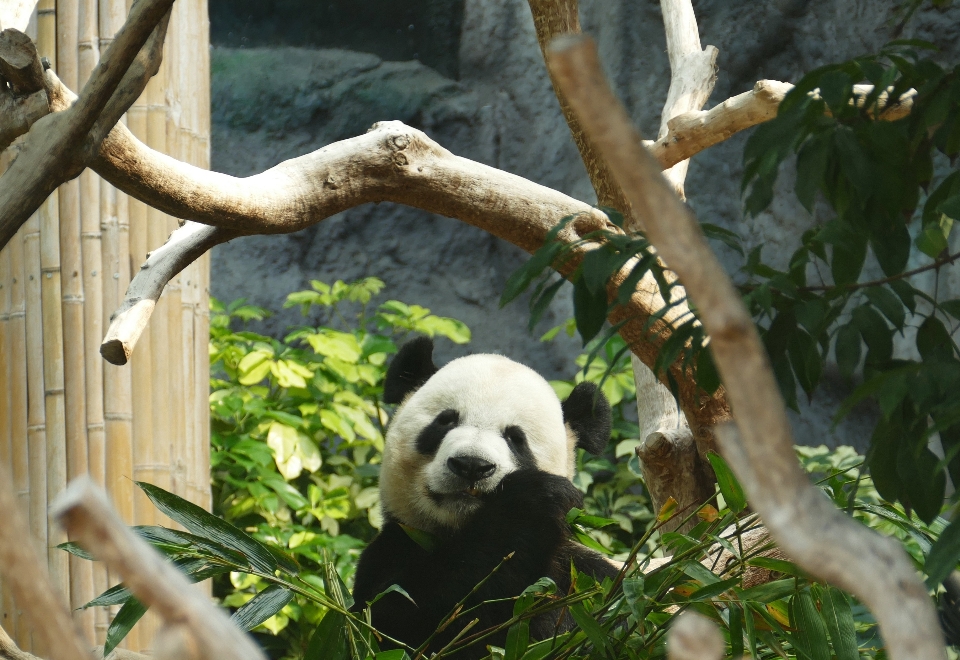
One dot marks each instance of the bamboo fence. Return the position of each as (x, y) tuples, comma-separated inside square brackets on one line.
[(63, 410)]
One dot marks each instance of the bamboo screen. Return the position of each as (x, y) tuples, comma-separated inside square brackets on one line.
[(64, 411)]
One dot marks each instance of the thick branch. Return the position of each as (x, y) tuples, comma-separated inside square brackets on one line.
[(90, 520), (26, 576), (818, 537), (19, 63)]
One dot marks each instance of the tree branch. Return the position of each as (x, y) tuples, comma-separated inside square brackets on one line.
[(809, 529), (690, 133), (52, 154), (90, 520)]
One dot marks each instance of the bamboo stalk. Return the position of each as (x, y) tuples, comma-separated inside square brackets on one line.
[(7, 615), (141, 368), (36, 409), (72, 291), (202, 374), (173, 98), (156, 467), (16, 349), (94, 620)]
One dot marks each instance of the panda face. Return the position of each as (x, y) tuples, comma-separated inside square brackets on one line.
[(456, 437)]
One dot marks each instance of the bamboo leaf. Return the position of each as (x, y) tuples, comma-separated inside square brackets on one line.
[(207, 525), (126, 618), (811, 633), (729, 486), (261, 607), (944, 555), (838, 616)]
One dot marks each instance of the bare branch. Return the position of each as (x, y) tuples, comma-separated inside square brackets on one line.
[(694, 637), (90, 520), (690, 133), (25, 574), (821, 539), (693, 73), (53, 155), (185, 245)]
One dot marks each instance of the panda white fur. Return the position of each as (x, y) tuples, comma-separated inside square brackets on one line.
[(479, 456)]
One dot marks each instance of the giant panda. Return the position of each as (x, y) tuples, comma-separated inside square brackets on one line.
[(477, 464)]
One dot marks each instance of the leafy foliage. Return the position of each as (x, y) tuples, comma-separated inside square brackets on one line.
[(624, 618)]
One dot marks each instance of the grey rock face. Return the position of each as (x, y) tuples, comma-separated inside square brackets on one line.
[(502, 112)]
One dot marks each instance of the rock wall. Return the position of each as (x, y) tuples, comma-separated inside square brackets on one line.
[(496, 105)]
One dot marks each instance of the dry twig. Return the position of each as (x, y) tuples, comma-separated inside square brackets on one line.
[(817, 536)]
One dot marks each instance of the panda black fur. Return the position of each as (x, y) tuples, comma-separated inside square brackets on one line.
[(480, 456)]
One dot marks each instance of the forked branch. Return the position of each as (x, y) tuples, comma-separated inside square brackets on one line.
[(809, 529)]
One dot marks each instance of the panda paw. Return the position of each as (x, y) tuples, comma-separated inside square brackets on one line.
[(538, 494)]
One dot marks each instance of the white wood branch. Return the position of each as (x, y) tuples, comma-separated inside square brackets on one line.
[(690, 133), (669, 456), (694, 637), (92, 522), (693, 73), (808, 527)]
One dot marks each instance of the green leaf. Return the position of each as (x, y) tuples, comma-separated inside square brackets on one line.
[(540, 303), (888, 304), (847, 259), (778, 565), (906, 294), (729, 238), (736, 631), (933, 340), (875, 333), (951, 307), (805, 359), (771, 591), (931, 241), (707, 376), (589, 626), (589, 310), (330, 639), (847, 349), (117, 595), (838, 616), (811, 168), (75, 550), (261, 607), (207, 525), (125, 620), (713, 590), (729, 486), (518, 639), (812, 633), (943, 556)]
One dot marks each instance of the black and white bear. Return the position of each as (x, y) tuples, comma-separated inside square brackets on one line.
[(479, 456)]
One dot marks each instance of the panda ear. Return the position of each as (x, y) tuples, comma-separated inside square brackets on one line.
[(586, 412), (412, 367)]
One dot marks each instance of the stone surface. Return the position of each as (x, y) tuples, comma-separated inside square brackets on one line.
[(502, 111)]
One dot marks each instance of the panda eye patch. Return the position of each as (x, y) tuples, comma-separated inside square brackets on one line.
[(515, 435), (429, 439), (448, 417)]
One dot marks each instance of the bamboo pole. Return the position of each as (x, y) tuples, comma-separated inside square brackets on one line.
[(202, 373), (52, 470), (94, 621), (173, 115), (16, 349), (7, 616), (72, 291), (141, 368)]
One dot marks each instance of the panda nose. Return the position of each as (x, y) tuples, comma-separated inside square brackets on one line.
[(471, 468)]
